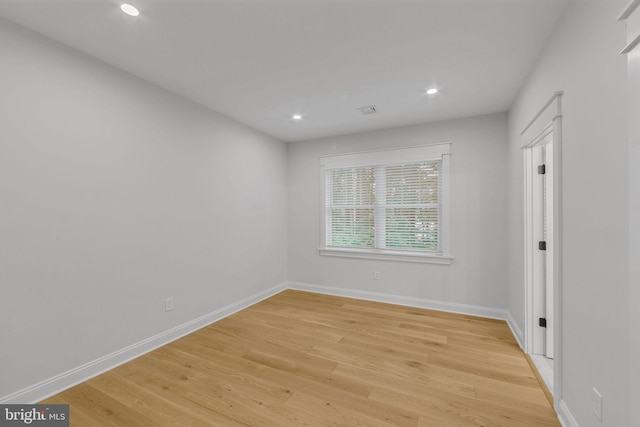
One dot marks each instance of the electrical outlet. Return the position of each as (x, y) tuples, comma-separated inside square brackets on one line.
[(168, 304), (596, 404), (376, 275)]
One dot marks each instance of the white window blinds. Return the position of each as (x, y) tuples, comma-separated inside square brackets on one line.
[(411, 204), (397, 205), (384, 207), (351, 207)]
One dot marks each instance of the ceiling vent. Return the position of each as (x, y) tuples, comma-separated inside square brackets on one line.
[(370, 109)]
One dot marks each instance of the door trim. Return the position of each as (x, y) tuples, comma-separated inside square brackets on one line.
[(546, 122)]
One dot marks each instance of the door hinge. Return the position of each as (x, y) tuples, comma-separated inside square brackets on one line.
[(542, 169), (542, 322), (542, 245)]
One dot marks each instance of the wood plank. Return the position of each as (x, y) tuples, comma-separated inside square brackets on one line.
[(305, 359)]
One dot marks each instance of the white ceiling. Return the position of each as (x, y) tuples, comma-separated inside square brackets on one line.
[(260, 61)]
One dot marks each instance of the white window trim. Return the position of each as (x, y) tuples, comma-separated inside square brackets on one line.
[(440, 151)]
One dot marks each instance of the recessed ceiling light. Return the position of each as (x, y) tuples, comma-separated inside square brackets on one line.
[(129, 9), (296, 117), (432, 91)]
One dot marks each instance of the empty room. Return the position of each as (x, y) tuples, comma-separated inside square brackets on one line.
[(320, 213)]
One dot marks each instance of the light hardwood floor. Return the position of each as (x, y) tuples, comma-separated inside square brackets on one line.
[(304, 359)]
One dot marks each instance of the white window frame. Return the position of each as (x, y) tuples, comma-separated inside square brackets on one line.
[(432, 152)]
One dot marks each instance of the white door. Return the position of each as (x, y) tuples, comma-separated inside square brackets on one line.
[(542, 242)]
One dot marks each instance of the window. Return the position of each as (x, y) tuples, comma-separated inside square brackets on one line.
[(390, 204)]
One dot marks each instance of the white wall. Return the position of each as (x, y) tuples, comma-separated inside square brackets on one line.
[(634, 254), (582, 59), (478, 207), (115, 195), (634, 220)]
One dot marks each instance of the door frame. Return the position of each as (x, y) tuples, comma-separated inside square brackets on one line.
[(548, 121), (538, 264)]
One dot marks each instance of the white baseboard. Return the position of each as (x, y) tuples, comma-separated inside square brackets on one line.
[(472, 310), (515, 330), (565, 416), (65, 380)]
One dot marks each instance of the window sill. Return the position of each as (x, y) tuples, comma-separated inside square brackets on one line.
[(387, 255)]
